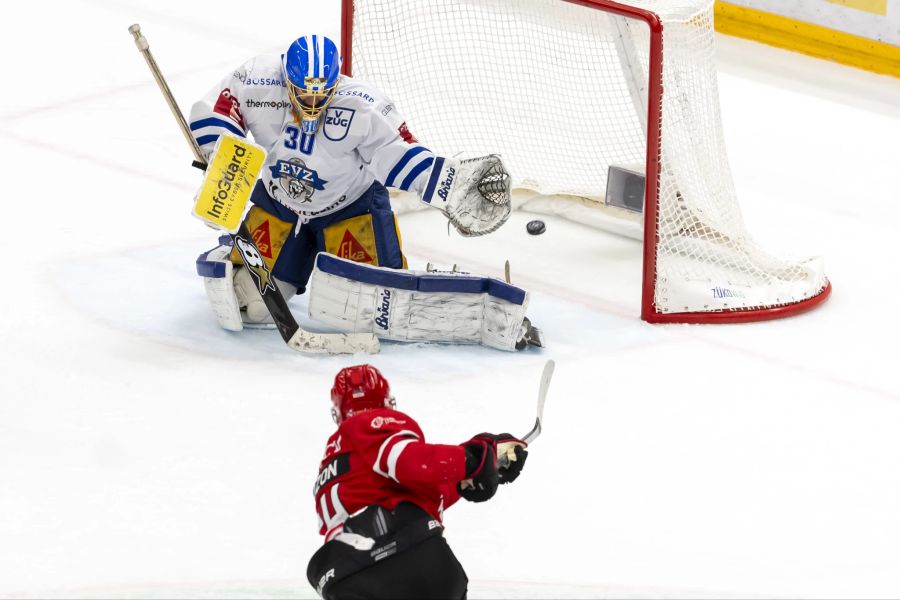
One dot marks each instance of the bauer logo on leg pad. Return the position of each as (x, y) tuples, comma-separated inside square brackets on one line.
[(230, 178)]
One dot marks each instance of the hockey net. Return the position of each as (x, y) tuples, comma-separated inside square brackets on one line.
[(586, 100)]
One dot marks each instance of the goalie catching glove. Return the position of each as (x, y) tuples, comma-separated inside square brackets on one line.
[(473, 193)]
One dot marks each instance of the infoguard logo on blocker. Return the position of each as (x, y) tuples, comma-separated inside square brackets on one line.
[(230, 177)]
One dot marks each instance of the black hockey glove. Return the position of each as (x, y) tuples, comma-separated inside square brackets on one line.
[(481, 470), (511, 455), (509, 471)]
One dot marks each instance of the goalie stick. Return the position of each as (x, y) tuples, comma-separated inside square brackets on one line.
[(296, 337)]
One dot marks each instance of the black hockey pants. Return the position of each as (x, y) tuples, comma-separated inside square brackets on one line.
[(410, 560)]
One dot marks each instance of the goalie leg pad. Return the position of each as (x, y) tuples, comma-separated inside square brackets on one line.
[(218, 279), (415, 306), (232, 294)]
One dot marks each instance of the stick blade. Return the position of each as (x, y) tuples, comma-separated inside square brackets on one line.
[(546, 376)]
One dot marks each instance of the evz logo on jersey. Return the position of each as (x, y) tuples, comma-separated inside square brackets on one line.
[(297, 180), (337, 123)]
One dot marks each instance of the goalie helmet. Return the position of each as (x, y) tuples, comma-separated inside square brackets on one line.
[(312, 65), (359, 388)]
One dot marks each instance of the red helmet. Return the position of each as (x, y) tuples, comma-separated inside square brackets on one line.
[(359, 388)]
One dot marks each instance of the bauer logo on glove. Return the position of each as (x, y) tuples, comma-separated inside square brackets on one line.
[(230, 177)]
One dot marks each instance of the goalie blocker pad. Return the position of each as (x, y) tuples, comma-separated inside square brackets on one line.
[(416, 306)]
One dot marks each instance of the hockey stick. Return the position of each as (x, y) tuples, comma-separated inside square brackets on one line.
[(542, 399), (506, 452), (295, 337)]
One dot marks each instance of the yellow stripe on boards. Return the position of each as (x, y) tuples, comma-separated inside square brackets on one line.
[(876, 7), (813, 40)]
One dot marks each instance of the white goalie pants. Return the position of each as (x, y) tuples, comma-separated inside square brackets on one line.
[(414, 306)]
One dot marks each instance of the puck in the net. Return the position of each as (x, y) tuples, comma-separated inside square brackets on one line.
[(536, 227)]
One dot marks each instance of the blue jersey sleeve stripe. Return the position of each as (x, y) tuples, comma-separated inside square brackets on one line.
[(214, 122), (417, 170), (432, 181), (410, 154), (205, 139)]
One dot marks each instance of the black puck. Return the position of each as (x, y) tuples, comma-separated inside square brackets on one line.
[(536, 227)]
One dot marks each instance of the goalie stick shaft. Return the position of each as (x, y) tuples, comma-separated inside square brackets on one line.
[(141, 42), (294, 336)]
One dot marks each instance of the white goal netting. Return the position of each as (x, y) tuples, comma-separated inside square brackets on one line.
[(563, 92)]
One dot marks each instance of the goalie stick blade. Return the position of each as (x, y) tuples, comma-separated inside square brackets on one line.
[(308, 342)]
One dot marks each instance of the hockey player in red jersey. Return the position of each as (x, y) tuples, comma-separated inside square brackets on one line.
[(381, 493)]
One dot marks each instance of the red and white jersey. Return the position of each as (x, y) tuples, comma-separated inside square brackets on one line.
[(361, 139), (380, 457)]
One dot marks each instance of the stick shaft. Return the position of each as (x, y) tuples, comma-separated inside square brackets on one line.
[(141, 42)]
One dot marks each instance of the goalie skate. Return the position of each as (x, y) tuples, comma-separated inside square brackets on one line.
[(529, 336)]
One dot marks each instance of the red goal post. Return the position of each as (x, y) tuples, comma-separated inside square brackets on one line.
[(650, 59)]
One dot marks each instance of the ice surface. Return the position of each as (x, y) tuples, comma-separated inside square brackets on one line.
[(144, 453)]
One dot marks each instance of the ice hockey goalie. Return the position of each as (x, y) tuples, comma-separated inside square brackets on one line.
[(334, 145)]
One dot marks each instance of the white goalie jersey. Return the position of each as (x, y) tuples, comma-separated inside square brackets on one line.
[(362, 138)]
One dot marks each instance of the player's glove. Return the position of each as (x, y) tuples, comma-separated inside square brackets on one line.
[(473, 193), (481, 470), (511, 455)]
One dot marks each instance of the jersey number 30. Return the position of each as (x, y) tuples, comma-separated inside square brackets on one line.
[(298, 141)]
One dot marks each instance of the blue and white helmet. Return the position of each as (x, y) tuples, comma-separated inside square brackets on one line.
[(312, 65)]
